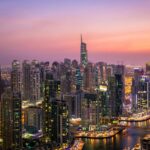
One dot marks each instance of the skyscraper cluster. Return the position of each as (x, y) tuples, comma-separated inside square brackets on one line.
[(41, 98)]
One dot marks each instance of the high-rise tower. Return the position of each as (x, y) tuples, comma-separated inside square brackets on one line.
[(6, 114), (52, 89), (16, 76), (55, 111), (143, 93), (83, 53), (16, 85), (35, 82), (17, 122), (26, 68)]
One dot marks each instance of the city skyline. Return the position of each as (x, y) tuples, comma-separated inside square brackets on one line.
[(114, 31), (74, 75)]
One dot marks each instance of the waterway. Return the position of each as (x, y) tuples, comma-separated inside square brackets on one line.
[(122, 141)]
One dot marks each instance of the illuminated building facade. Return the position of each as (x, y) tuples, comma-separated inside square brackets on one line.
[(59, 123), (119, 94), (102, 66), (112, 94), (148, 68), (16, 79), (115, 94), (35, 82), (7, 119), (128, 80), (138, 72), (16, 84), (26, 69), (83, 53), (104, 100), (79, 79), (143, 94), (90, 109), (56, 119), (17, 121), (51, 89), (88, 77), (1, 92)]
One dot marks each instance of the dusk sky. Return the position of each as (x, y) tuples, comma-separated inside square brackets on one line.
[(114, 30)]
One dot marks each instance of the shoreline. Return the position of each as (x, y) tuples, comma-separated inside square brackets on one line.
[(133, 120), (101, 137)]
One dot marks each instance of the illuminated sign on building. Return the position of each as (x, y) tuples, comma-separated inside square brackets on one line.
[(103, 88), (128, 85)]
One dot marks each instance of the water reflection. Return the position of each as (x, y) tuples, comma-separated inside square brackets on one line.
[(136, 130)]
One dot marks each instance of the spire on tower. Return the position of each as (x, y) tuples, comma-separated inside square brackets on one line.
[(81, 38)]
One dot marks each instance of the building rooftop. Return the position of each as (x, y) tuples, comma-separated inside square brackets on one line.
[(147, 137)]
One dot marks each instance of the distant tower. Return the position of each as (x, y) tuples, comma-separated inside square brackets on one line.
[(148, 68), (16, 76), (26, 69), (35, 81), (83, 53), (17, 122)]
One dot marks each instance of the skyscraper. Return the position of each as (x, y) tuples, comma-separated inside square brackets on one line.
[(16, 105), (51, 90), (148, 68), (35, 82), (88, 77), (59, 123), (119, 94), (26, 68), (104, 99), (1, 84), (1, 91), (119, 84), (17, 123), (112, 94), (79, 79), (138, 72), (16, 81), (83, 53), (55, 123), (143, 93), (7, 119), (90, 109), (116, 94)]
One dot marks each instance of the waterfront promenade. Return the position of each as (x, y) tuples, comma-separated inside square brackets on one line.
[(135, 118), (99, 134), (121, 141)]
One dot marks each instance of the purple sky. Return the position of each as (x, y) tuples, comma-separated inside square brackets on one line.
[(115, 31)]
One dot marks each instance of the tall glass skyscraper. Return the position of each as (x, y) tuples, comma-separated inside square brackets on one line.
[(55, 121), (16, 81), (83, 53), (17, 122), (16, 105), (6, 116)]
